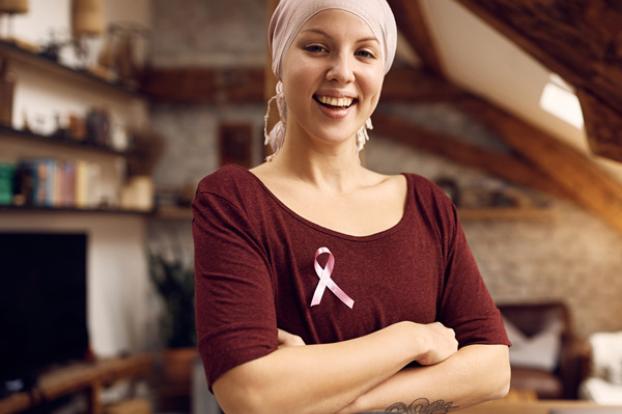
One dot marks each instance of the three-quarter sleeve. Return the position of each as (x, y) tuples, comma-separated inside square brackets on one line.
[(465, 303), (234, 298)]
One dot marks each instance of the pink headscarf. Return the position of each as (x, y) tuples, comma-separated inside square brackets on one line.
[(287, 20), (290, 15)]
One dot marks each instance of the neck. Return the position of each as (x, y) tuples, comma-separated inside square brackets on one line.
[(333, 168)]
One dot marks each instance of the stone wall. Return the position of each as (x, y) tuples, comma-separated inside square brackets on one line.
[(575, 257)]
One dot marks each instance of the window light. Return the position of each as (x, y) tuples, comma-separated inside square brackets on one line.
[(559, 99)]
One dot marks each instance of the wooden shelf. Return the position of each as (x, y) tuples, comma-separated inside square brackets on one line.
[(12, 51), (6, 131), (42, 209), (173, 213), (543, 214), (79, 377)]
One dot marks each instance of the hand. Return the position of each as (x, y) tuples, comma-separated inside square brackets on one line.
[(439, 343), (288, 339)]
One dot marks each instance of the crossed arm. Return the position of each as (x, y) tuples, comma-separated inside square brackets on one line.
[(472, 375), (366, 374)]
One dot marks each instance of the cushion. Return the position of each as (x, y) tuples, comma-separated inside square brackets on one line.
[(601, 391), (539, 351), (515, 335), (607, 356)]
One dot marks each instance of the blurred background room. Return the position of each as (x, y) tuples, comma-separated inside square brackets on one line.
[(111, 111)]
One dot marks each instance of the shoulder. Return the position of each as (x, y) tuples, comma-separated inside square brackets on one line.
[(222, 179), (229, 182), (427, 191), (434, 206)]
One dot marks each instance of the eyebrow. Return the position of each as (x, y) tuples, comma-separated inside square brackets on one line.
[(323, 33)]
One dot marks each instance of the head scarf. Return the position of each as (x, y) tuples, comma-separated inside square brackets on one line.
[(287, 20)]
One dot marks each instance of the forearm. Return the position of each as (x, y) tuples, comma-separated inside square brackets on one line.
[(325, 378), (472, 375)]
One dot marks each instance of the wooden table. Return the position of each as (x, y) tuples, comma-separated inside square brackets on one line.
[(89, 377), (526, 407)]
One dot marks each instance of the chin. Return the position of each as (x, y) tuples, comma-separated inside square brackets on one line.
[(335, 137)]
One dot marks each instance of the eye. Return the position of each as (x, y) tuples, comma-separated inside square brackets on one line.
[(367, 53), (314, 48)]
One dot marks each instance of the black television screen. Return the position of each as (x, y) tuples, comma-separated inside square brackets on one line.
[(42, 304)]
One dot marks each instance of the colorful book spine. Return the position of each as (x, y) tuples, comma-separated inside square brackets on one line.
[(46, 182), (7, 173)]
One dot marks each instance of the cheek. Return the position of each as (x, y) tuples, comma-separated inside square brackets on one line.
[(298, 81), (372, 86)]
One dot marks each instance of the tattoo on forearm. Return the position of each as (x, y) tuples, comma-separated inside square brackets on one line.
[(421, 406)]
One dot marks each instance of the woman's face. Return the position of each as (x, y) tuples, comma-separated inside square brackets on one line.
[(335, 54)]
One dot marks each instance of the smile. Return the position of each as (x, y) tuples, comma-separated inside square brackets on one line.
[(335, 108)]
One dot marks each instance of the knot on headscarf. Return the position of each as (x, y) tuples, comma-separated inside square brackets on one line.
[(287, 20)]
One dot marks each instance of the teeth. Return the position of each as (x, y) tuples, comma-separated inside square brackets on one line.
[(343, 102)]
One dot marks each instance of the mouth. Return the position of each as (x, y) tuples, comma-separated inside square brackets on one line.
[(333, 107)]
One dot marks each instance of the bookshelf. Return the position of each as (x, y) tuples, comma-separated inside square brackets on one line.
[(47, 93), (13, 52), (106, 164)]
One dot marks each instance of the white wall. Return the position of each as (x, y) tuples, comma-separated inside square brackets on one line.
[(120, 308)]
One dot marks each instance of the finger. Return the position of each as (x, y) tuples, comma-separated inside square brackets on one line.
[(282, 335), (289, 339), (298, 341)]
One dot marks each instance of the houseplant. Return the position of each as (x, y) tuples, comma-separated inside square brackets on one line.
[(174, 283)]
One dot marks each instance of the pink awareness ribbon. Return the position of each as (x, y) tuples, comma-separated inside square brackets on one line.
[(326, 281)]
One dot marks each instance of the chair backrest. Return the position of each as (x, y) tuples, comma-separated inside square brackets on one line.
[(531, 318)]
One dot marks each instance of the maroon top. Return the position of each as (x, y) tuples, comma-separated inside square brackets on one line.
[(254, 272)]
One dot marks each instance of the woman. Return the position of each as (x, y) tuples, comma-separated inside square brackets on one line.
[(322, 286)]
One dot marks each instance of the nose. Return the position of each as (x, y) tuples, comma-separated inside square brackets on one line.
[(341, 69)]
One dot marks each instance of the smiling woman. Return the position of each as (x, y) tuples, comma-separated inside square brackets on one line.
[(323, 286)]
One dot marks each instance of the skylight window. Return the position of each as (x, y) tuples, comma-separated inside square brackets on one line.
[(559, 99)]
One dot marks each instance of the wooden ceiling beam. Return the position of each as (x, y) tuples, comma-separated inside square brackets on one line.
[(574, 172), (418, 86), (581, 42), (201, 85), (457, 150), (413, 25), (603, 126)]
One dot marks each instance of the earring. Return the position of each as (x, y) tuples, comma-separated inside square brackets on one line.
[(361, 136), (276, 137)]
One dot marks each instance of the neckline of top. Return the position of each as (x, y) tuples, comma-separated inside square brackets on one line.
[(368, 237)]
